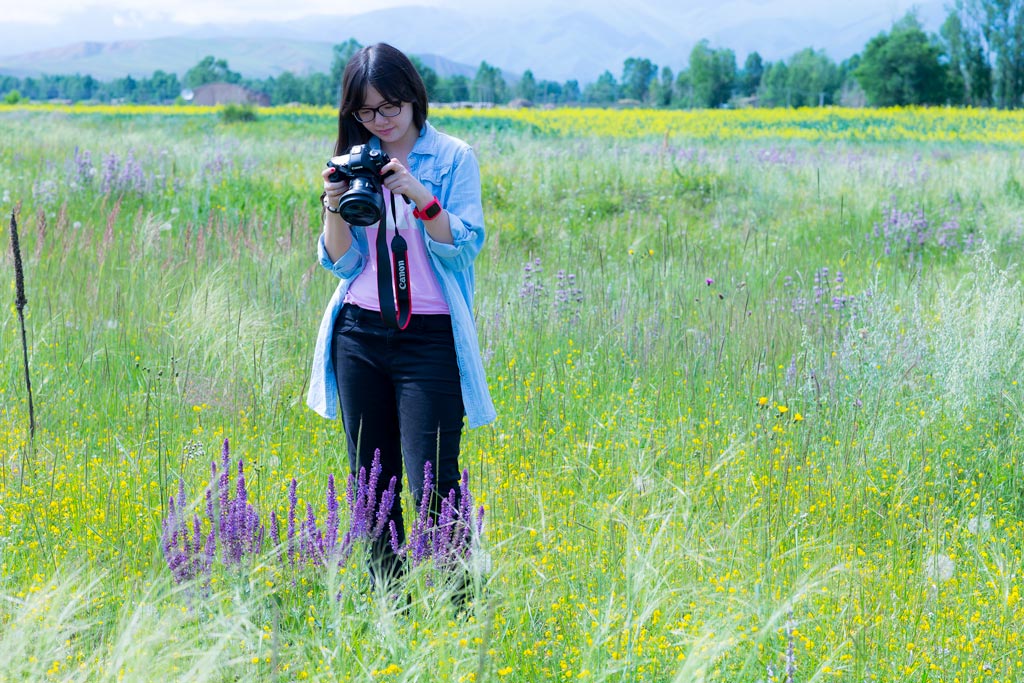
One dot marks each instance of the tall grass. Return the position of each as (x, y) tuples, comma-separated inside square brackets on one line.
[(759, 409)]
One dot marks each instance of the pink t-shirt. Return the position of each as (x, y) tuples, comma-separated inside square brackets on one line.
[(425, 291)]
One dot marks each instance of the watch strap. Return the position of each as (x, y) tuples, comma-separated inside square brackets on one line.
[(332, 209), (428, 212)]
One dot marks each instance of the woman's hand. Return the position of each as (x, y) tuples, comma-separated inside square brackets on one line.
[(401, 181), (337, 236), (333, 191)]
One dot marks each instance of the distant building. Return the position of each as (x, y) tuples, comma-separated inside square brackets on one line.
[(228, 93)]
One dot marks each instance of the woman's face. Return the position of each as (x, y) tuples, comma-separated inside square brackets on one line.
[(390, 129)]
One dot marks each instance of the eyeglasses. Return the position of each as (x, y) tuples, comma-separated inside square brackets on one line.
[(387, 110)]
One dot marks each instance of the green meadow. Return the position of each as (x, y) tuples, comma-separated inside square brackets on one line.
[(759, 409)]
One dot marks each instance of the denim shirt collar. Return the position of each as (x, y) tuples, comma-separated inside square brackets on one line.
[(425, 145)]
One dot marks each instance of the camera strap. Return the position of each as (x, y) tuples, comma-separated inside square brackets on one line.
[(391, 290)]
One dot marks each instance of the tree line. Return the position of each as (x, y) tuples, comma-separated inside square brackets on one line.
[(976, 59)]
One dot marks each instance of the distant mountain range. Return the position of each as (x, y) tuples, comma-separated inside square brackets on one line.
[(251, 57), (573, 39)]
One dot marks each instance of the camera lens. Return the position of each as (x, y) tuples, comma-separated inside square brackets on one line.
[(363, 204)]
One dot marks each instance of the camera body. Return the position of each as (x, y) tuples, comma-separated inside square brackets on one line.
[(363, 202)]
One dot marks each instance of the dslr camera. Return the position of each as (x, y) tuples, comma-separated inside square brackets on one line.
[(363, 203)]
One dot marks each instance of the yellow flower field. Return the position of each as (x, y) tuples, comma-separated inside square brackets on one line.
[(825, 124)]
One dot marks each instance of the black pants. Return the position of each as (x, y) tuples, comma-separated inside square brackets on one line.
[(400, 393)]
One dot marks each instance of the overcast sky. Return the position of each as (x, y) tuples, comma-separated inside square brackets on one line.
[(556, 39), (188, 11), (128, 12)]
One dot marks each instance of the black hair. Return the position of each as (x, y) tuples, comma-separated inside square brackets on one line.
[(393, 75)]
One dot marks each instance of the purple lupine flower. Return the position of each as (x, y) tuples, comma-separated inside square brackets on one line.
[(466, 527), (222, 486), (394, 537), (240, 491), (790, 652), (182, 501), (368, 518), (365, 508), (308, 538), (210, 513), (257, 545), (418, 542), (791, 371), (293, 499), (132, 176), (531, 289), (169, 537), (181, 542), (275, 530), (240, 517), (197, 535), (445, 531), (110, 166), (83, 170), (209, 552), (331, 525), (356, 490), (387, 500), (375, 469), (234, 525), (447, 536)]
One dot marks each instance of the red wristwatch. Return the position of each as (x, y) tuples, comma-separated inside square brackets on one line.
[(428, 212)]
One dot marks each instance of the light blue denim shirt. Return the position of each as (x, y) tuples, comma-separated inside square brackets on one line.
[(448, 168)]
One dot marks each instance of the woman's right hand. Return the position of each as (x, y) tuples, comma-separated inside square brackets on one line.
[(333, 191), (337, 235)]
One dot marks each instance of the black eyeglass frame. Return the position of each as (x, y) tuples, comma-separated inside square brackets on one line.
[(377, 110)]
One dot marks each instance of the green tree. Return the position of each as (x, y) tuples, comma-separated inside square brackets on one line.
[(30, 88), (992, 33), (210, 70), (850, 92), (712, 74), (549, 92), (637, 75), (750, 77), (489, 85), (9, 83), (968, 73), (163, 86), (605, 90), (455, 88), (662, 92), (77, 87), (318, 88), (683, 90), (774, 91), (902, 67), (428, 75), (124, 89), (571, 91), (340, 54), (286, 88), (813, 79), (526, 88)]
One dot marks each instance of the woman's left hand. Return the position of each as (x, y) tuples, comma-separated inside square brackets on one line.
[(402, 182)]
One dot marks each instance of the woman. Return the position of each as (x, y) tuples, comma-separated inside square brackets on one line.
[(402, 391)]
